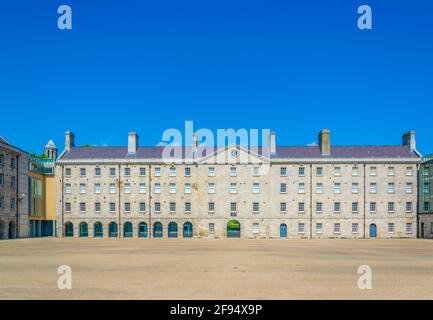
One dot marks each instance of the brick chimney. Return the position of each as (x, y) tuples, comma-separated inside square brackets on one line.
[(408, 139), (69, 140), (325, 142), (132, 142)]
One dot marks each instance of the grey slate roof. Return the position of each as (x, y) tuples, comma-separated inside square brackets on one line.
[(295, 152)]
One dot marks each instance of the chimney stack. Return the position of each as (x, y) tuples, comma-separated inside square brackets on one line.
[(132, 142), (325, 142), (194, 140), (69, 141), (272, 142), (409, 140)]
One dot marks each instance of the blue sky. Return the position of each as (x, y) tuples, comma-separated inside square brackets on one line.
[(292, 66)]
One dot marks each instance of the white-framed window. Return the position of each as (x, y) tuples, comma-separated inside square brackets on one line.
[(256, 207), (68, 188), (127, 188), (373, 207), (97, 188), (172, 207), (233, 172), (319, 207), (157, 207), (355, 187), (127, 206), (211, 228), (142, 187), (127, 172), (142, 172), (373, 187), (373, 171), (355, 207), (283, 207), (172, 171), (142, 207), (426, 171), (409, 206), (157, 187), (391, 187), (409, 187), (409, 171), (211, 207), (82, 207), (319, 187), (355, 227), (301, 187), (319, 228), (211, 171), (426, 187), (337, 187), (283, 171), (187, 188), (97, 172), (82, 188), (336, 228), (187, 172), (256, 227), (391, 206), (157, 171), (283, 187), (112, 207), (391, 171), (112, 172), (187, 207), (83, 172), (256, 187), (67, 172), (301, 228), (319, 171), (2, 160), (232, 207), (408, 228), (426, 206), (391, 227), (2, 179), (355, 171), (233, 187), (256, 171), (67, 207), (172, 187), (112, 188), (301, 171), (211, 187), (301, 207), (337, 171), (337, 207)]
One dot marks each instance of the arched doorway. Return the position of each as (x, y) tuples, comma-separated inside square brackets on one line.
[(2, 230), (112, 230), (12, 230), (98, 230), (373, 231), (127, 230), (233, 229), (283, 230), (69, 229), (172, 230), (142, 230), (187, 230), (157, 230), (84, 230)]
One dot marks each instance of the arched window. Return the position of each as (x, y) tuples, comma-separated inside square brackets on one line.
[(142, 230), (233, 229), (127, 230), (69, 229), (373, 231), (172, 230), (112, 230), (98, 230), (84, 230), (283, 230), (157, 230), (187, 230)]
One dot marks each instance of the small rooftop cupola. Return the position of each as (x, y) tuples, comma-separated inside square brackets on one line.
[(408, 139), (69, 140), (272, 142), (325, 142), (132, 142), (51, 150)]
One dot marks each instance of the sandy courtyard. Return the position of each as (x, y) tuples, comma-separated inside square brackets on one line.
[(215, 269)]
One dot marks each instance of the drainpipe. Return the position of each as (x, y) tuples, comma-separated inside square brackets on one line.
[(149, 229), (63, 201), (311, 200), (118, 229), (365, 203), (17, 227)]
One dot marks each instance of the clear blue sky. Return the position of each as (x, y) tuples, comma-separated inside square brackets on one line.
[(293, 66)]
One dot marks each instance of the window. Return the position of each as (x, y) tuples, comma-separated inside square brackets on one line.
[(336, 228), (233, 171), (172, 207), (82, 207), (142, 187), (355, 171), (408, 228), (157, 207), (256, 228), (211, 171), (337, 171), (13, 182), (301, 228), (211, 228), (97, 172), (67, 206), (68, 188), (157, 187), (319, 188), (373, 171), (256, 171), (12, 204), (426, 187), (255, 207), (187, 172), (187, 188), (372, 207), (319, 171), (426, 171), (97, 207), (97, 188), (83, 172), (82, 188), (319, 207), (1, 202), (233, 187), (142, 206), (426, 206), (408, 206), (112, 207), (283, 207), (337, 207), (127, 188), (391, 171), (127, 172), (319, 228), (391, 207), (283, 187), (211, 187), (256, 187), (142, 172), (301, 171), (373, 187), (283, 171), (172, 172), (391, 227), (337, 187), (391, 187), (127, 207), (157, 171), (13, 165), (2, 179), (187, 207), (211, 206), (172, 187), (2, 160), (112, 172), (355, 207), (409, 171), (301, 187), (355, 227), (355, 187), (68, 172), (301, 207), (112, 187), (409, 187), (233, 207)]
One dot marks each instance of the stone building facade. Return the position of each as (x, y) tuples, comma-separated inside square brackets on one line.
[(319, 191)]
